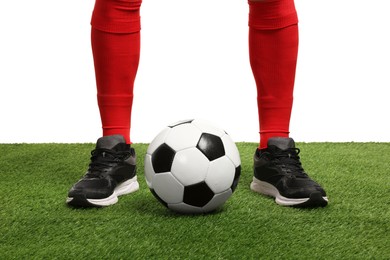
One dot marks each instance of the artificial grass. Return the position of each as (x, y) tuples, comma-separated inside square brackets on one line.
[(35, 222)]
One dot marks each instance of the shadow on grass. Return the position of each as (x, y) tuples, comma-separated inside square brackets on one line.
[(147, 205)]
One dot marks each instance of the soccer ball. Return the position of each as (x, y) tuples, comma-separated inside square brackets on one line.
[(192, 167)]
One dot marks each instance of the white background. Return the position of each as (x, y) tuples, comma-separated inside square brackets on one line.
[(194, 63)]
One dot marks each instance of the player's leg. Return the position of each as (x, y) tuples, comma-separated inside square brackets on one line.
[(115, 41), (115, 38), (273, 49)]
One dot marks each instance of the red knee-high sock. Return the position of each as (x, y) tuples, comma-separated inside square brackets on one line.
[(115, 38), (273, 48)]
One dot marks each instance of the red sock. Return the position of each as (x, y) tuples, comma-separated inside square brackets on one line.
[(273, 47), (115, 38)]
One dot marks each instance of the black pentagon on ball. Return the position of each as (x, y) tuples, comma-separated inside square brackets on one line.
[(236, 178), (197, 195), (211, 146), (162, 158)]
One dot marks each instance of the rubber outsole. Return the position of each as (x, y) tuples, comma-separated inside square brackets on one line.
[(315, 200), (124, 188)]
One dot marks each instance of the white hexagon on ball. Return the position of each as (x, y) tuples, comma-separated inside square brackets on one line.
[(190, 166), (231, 150), (168, 188), (182, 137), (149, 172), (220, 174)]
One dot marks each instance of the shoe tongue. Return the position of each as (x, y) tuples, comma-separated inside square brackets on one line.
[(281, 142), (109, 142)]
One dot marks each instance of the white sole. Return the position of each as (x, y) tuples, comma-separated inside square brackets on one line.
[(124, 188), (269, 190)]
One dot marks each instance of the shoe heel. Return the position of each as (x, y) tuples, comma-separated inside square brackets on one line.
[(127, 187), (263, 188)]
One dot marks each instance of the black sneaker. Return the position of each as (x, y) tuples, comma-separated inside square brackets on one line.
[(111, 173), (278, 173)]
